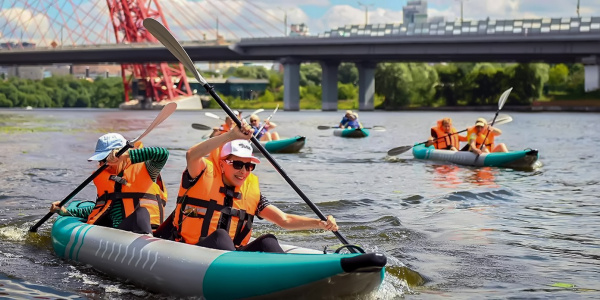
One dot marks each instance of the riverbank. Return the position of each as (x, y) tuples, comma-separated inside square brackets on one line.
[(536, 106)]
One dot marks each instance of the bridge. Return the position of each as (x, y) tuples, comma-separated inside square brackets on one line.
[(566, 40)]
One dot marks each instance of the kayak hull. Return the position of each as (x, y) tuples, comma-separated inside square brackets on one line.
[(523, 160), (186, 270), (289, 145), (351, 133)]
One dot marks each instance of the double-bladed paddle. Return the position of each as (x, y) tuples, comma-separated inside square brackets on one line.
[(166, 111), (399, 150), (166, 38), (209, 114), (376, 127), (501, 102), (265, 122)]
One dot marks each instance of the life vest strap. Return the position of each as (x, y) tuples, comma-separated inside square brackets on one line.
[(245, 219)]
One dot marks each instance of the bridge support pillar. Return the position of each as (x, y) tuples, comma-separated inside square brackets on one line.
[(291, 84), (329, 80), (591, 66), (366, 85)]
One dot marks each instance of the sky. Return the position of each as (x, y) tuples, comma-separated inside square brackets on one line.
[(88, 21), (322, 15)]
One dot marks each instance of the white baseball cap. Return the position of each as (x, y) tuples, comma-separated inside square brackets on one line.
[(239, 148), (106, 144)]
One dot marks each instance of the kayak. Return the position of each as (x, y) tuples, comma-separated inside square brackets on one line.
[(524, 159), (351, 133), (180, 269), (290, 145)]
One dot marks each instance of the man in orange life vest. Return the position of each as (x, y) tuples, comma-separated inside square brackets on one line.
[(478, 133), (219, 198), (444, 136), (130, 193)]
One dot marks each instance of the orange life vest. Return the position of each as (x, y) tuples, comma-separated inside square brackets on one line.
[(444, 139), (200, 208), (135, 188), (224, 128), (489, 141)]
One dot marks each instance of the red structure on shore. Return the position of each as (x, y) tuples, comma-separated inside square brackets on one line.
[(154, 81)]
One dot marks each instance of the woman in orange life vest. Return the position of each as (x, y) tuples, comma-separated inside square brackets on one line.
[(478, 133), (219, 197), (130, 195), (444, 136)]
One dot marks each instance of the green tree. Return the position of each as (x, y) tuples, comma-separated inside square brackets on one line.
[(347, 91), (310, 73), (348, 73), (391, 81), (558, 77)]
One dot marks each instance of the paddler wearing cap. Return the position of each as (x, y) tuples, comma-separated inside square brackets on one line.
[(350, 120), (219, 198), (478, 133), (130, 194)]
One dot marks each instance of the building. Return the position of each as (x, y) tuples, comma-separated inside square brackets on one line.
[(299, 30), (243, 88), (415, 12), (223, 66)]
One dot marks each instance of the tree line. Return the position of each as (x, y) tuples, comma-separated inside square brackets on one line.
[(62, 91), (397, 85)]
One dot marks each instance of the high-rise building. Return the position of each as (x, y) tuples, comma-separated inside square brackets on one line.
[(415, 12), (299, 30)]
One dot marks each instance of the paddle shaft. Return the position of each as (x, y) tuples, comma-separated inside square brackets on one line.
[(35, 227), (488, 132), (267, 120), (277, 167), (162, 34)]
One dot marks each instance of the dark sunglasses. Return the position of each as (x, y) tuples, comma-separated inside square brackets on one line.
[(238, 164)]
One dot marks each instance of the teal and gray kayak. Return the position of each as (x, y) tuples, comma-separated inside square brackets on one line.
[(180, 269), (524, 159), (351, 133), (290, 145)]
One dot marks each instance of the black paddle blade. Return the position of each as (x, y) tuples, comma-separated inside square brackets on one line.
[(322, 127), (200, 126), (398, 150)]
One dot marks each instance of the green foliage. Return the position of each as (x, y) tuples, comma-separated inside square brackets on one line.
[(348, 73), (275, 80), (403, 84), (347, 91), (558, 77), (266, 97), (61, 91), (310, 74)]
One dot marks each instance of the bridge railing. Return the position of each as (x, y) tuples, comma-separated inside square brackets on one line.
[(481, 27)]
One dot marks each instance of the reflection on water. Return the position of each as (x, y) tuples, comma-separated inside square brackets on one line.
[(453, 176)]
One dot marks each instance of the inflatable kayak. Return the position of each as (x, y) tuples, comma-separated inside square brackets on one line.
[(525, 159), (180, 269), (290, 145), (351, 133)]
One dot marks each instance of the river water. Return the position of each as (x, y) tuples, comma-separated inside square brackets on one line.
[(447, 230)]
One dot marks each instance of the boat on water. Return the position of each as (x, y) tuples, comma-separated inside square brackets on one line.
[(289, 145), (527, 159), (180, 269), (351, 133)]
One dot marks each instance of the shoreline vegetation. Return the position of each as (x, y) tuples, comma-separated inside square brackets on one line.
[(398, 86)]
